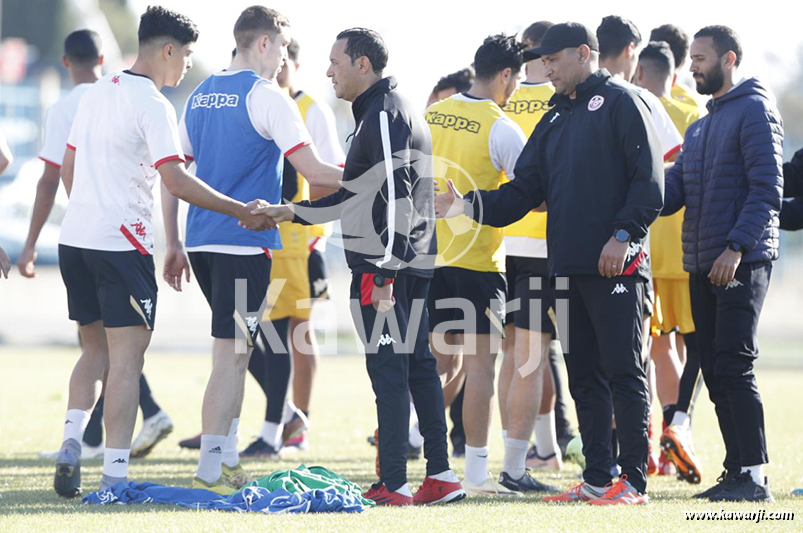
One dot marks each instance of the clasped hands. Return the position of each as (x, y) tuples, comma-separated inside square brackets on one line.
[(259, 215)]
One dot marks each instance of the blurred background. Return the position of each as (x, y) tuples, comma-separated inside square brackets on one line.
[(426, 41)]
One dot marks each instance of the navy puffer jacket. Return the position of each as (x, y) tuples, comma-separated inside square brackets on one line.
[(730, 178)]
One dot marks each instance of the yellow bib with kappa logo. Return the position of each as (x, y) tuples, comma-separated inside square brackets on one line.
[(304, 102), (296, 237), (526, 107), (461, 128)]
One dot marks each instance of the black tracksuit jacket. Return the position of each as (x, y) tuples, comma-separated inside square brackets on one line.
[(386, 205), (597, 162)]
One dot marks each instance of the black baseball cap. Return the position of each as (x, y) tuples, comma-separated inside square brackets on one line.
[(560, 36)]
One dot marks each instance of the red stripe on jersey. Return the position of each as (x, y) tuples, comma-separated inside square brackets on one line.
[(634, 265), (166, 159), (313, 243), (294, 148), (672, 152), (49, 162), (71, 147), (267, 252), (189, 158), (133, 240)]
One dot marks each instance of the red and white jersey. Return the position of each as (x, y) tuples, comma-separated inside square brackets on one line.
[(123, 130), (58, 123)]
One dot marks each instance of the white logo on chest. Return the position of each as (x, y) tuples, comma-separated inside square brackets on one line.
[(596, 102)]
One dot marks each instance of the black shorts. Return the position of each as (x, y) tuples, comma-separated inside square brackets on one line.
[(528, 281), (116, 287), (318, 275), (216, 274), (484, 292)]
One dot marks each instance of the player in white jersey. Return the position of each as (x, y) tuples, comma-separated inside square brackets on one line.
[(83, 59), (238, 125), (124, 134)]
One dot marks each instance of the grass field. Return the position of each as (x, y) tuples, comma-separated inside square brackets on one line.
[(32, 402)]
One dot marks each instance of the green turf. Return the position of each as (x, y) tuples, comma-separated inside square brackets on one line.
[(33, 399)]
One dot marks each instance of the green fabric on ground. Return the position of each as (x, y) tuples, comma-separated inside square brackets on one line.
[(306, 478)]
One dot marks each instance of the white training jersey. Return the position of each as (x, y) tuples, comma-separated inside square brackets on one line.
[(320, 121), (670, 137), (123, 130), (58, 123)]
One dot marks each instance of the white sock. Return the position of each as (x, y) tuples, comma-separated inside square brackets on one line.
[(504, 434), (515, 456), (405, 490), (680, 419), (115, 462), (75, 422), (271, 433), (756, 472), (231, 457), (476, 464), (211, 457), (289, 410), (446, 476), (546, 439)]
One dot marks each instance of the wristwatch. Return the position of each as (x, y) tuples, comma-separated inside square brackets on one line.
[(379, 280), (621, 235), (735, 246)]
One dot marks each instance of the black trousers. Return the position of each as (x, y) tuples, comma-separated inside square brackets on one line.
[(726, 319), (607, 377), (400, 364)]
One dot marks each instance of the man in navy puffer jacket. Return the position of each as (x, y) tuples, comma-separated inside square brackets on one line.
[(730, 179)]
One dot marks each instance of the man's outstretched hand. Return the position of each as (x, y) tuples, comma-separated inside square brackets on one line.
[(450, 203)]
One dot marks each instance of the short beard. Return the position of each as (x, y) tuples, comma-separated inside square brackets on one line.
[(712, 82)]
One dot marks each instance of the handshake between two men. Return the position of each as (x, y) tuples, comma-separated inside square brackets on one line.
[(260, 215)]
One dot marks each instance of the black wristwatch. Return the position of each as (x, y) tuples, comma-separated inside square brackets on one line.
[(735, 246), (621, 235), (379, 280)]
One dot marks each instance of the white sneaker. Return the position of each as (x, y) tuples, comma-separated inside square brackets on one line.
[(489, 487), (87, 452), (154, 430)]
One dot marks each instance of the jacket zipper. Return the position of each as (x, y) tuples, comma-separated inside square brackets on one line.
[(702, 183)]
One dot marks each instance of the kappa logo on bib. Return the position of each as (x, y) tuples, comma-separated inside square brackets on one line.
[(596, 102)]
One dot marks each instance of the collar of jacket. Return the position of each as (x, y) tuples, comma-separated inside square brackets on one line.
[(583, 90), (745, 87), (363, 102)]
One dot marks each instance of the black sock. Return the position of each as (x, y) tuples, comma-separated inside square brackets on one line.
[(93, 434), (690, 375), (272, 370), (146, 402), (669, 413), (458, 433)]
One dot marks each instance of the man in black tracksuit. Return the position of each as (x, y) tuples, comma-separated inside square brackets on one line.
[(387, 219), (595, 159)]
